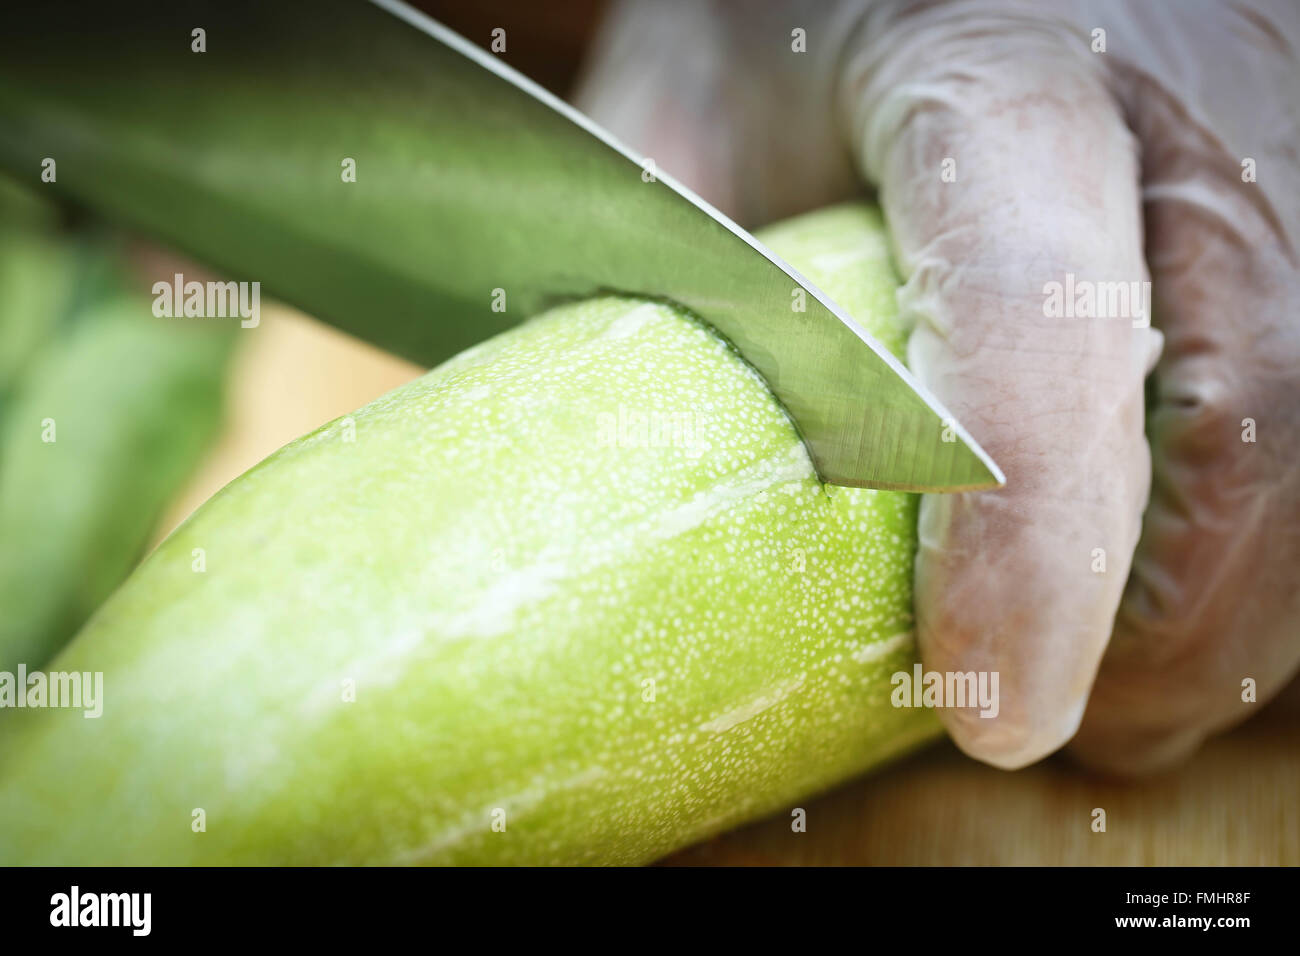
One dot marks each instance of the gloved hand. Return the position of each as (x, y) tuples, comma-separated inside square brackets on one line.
[(1010, 152)]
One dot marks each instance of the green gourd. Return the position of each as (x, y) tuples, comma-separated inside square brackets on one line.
[(575, 596)]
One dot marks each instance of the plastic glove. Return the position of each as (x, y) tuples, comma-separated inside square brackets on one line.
[(1010, 152)]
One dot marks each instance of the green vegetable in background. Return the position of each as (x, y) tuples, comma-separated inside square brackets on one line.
[(574, 596), (104, 411), (34, 283)]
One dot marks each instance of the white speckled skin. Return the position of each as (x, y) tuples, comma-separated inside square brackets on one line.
[(501, 572)]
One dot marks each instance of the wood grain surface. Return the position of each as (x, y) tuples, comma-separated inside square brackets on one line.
[(1236, 802)]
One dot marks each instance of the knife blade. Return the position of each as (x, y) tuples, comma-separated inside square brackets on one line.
[(472, 188)]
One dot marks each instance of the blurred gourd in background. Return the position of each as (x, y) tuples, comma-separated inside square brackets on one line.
[(104, 412)]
